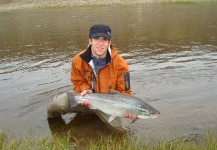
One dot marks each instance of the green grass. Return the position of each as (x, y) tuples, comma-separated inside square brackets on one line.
[(102, 142), (57, 142)]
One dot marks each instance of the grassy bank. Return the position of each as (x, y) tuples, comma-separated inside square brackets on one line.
[(32, 4), (68, 141)]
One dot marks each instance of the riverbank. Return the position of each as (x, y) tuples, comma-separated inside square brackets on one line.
[(32, 4), (121, 142)]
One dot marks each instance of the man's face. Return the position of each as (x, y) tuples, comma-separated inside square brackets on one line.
[(99, 46)]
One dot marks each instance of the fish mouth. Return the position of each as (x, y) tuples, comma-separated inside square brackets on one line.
[(155, 116)]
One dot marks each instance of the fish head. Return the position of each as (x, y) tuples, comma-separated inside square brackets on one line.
[(151, 113), (145, 114)]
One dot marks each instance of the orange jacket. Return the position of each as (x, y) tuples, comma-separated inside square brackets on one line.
[(113, 74)]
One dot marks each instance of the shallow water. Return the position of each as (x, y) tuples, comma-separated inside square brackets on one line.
[(172, 58)]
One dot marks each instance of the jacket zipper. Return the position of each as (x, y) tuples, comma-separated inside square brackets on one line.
[(99, 77)]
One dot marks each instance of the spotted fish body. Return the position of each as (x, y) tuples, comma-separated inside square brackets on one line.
[(117, 105)]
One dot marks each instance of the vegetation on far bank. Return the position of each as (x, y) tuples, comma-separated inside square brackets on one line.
[(102, 142)]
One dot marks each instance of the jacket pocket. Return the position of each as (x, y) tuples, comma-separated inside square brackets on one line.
[(112, 82)]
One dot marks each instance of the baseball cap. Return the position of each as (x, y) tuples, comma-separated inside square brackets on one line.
[(100, 30)]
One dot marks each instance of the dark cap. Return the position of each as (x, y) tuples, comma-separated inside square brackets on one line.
[(100, 30)]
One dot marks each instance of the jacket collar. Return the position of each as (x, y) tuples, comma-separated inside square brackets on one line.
[(86, 56)]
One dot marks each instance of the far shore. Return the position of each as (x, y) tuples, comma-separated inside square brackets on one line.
[(6, 5)]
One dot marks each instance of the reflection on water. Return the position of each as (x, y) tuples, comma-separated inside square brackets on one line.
[(172, 58)]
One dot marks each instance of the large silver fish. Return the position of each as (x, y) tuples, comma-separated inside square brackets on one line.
[(116, 105)]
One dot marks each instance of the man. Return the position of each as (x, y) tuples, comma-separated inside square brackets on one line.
[(98, 68)]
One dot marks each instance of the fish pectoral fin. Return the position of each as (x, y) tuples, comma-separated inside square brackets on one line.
[(135, 119), (111, 118)]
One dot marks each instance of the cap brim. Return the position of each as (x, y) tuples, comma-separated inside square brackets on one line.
[(100, 35)]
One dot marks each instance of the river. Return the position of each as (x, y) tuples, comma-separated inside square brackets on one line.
[(171, 51)]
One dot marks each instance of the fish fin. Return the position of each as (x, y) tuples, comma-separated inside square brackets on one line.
[(72, 101), (89, 91), (111, 91), (135, 119), (111, 118)]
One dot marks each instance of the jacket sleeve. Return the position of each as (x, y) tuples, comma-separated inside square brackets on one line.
[(77, 75), (121, 82)]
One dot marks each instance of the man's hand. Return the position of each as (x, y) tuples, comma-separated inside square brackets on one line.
[(85, 102), (129, 116), (85, 92)]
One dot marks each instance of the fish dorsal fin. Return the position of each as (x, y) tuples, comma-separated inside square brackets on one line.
[(89, 92), (111, 91)]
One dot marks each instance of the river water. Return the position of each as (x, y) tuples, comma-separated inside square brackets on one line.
[(171, 51)]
